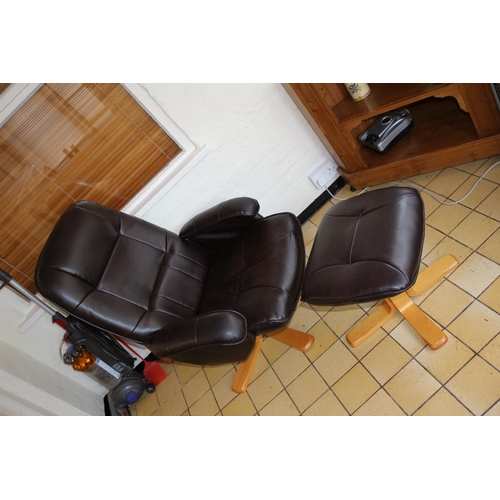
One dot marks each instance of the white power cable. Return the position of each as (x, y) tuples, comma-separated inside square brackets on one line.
[(430, 193)]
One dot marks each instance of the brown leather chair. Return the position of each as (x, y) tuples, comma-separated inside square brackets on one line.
[(205, 296)]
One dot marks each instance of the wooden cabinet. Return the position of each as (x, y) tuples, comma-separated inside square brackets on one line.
[(454, 123)]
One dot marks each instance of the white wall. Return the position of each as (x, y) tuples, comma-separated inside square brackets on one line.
[(37, 372), (261, 147)]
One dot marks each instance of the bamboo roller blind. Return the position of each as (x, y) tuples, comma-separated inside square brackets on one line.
[(71, 142)]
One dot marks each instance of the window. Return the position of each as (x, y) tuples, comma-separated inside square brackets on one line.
[(70, 142)]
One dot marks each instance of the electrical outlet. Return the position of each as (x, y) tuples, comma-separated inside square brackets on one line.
[(324, 174)]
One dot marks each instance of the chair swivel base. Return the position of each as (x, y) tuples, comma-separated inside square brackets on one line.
[(422, 324), (293, 338)]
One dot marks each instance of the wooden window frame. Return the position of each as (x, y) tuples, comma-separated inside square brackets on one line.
[(18, 93)]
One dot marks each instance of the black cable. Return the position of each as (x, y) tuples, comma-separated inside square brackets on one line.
[(102, 339)]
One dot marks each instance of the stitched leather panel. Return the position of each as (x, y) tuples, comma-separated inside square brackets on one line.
[(259, 274), (120, 273), (366, 248)]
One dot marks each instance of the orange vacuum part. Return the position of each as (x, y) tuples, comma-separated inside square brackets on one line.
[(84, 362)]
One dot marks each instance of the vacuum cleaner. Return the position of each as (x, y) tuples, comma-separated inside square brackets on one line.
[(94, 353)]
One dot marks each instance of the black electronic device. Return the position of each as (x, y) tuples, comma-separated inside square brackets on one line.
[(387, 130)]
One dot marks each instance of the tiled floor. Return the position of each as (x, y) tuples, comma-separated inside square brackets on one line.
[(393, 372)]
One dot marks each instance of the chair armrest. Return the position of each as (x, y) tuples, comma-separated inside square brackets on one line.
[(218, 224), (210, 338)]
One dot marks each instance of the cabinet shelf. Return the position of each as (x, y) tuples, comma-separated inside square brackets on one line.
[(439, 124), (386, 97)]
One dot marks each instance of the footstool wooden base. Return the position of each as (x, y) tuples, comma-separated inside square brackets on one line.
[(422, 324)]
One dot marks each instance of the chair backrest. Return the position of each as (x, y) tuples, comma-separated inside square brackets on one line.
[(120, 273)]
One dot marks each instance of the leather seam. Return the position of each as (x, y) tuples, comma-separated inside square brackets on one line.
[(358, 262), (184, 272), (354, 238), (175, 301)]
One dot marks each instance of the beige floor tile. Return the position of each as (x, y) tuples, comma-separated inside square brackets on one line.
[(491, 247), (167, 388), (273, 349), (335, 363), (322, 310), (323, 339), (472, 166), (157, 413), (264, 389), (443, 404), (476, 326), (445, 247), (326, 405), (342, 318), (491, 352), (432, 238), (475, 274), (355, 388), (185, 371), (316, 218), (494, 411), (491, 205), (478, 194), (175, 406), (476, 385), (430, 204), (446, 217), (306, 389), (216, 372), (308, 248), (309, 231), (290, 366), (385, 360), (195, 388), (242, 406), (206, 406), (446, 303), (412, 386), (494, 173), (168, 368), (406, 336), (444, 362), (474, 230), (447, 181), (147, 405), (491, 296), (222, 389), (280, 406), (304, 318), (424, 179), (380, 404), (368, 306)]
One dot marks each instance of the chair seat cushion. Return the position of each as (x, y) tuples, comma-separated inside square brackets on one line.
[(259, 274), (120, 273), (366, 248)]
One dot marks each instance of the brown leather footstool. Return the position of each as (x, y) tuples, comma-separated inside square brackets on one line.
[(368, 248)]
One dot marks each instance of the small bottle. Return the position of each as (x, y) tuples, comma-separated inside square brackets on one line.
[(358, 91)]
